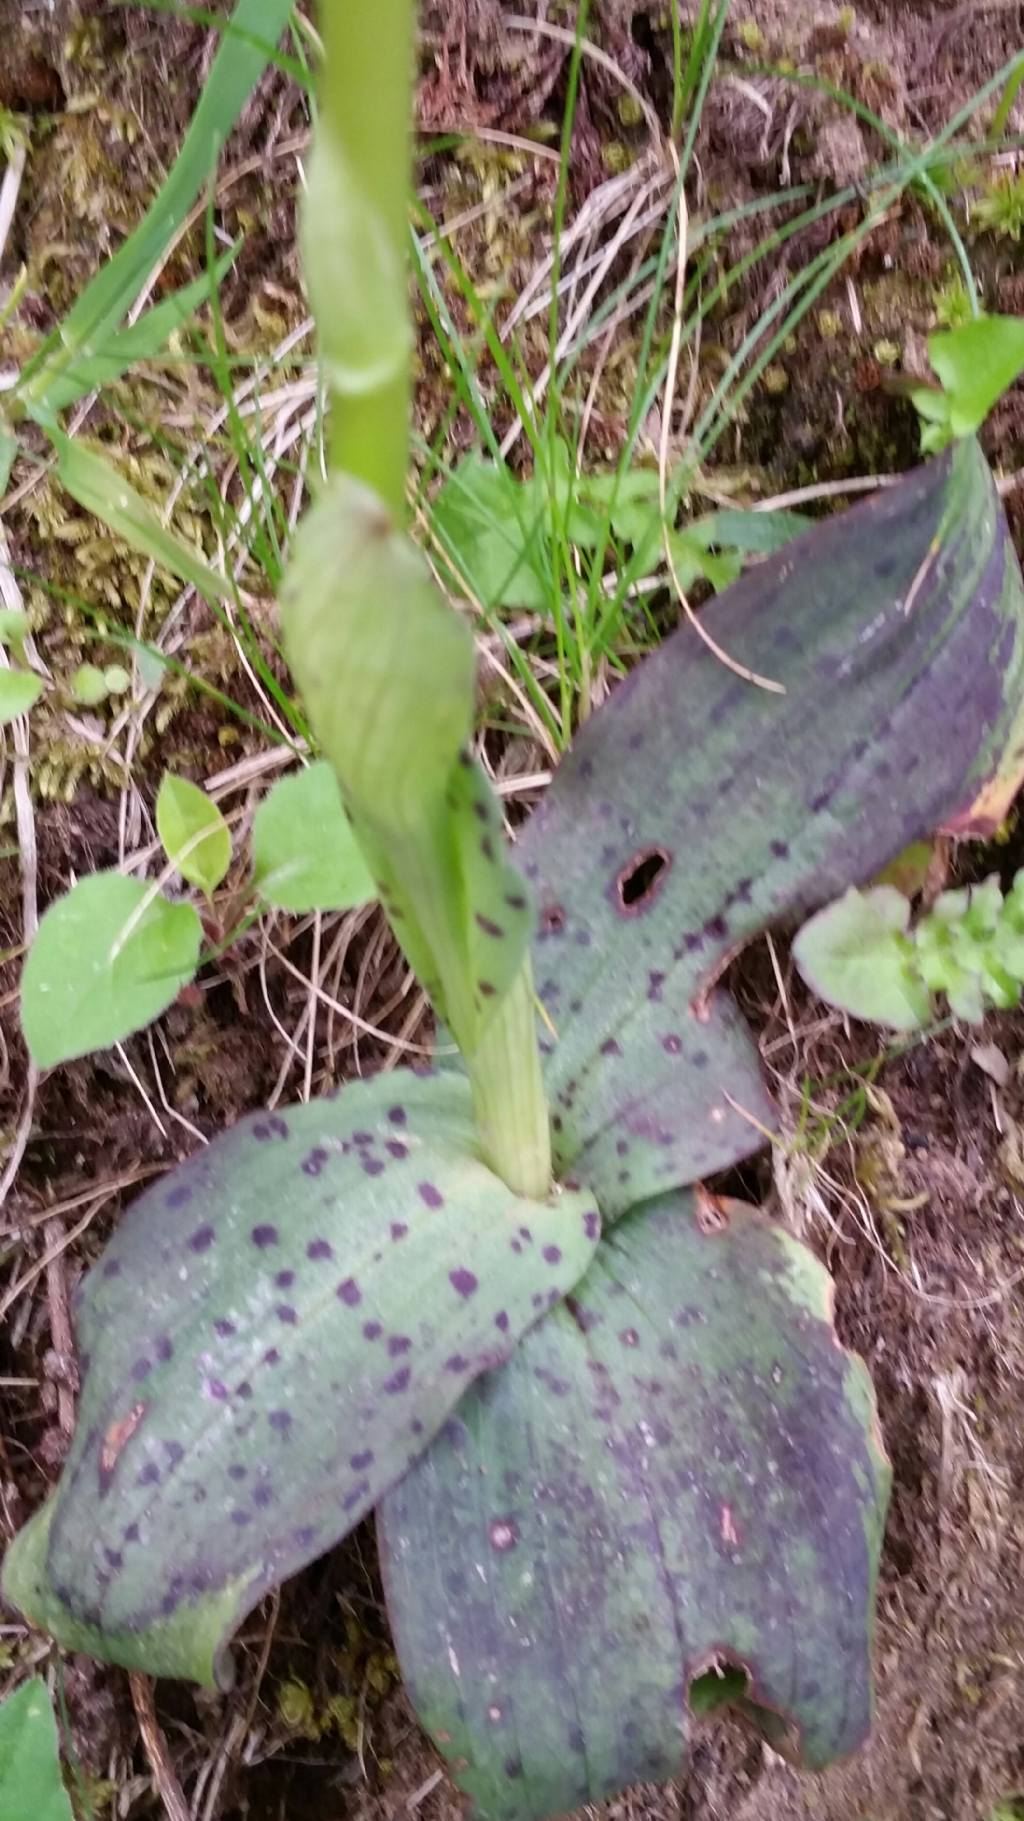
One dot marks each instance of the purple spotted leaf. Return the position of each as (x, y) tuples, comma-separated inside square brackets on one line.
[(695, 810), (679, 1469), (270, 1337)]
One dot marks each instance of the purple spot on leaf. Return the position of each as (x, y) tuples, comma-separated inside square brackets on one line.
[(463, 1282), (264, 1236), (349, 1292)]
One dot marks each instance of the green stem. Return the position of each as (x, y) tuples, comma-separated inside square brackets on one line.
[(366, 105), (508, 1094), (365, 109)]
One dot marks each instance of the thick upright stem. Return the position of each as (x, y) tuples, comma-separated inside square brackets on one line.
[(366, 103), (508, 1094), (365, 108)]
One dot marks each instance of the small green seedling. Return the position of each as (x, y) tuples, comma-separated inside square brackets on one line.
[(975, 363), (114, 952), (500, 532), (861, 955), (622, 1470), (30, 1779), (19, 689), (90, 685), (195, 836)]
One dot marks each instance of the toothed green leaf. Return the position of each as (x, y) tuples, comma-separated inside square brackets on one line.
[(679, 1467), (272, 1335), (857, 955)]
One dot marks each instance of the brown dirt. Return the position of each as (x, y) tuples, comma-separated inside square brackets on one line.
[(919, 1211)]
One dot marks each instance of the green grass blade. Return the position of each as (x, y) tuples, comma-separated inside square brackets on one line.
[(140, 341), (100, 489), (237, 67)]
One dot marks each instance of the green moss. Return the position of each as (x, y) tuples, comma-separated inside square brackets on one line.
[(1000, 210), (952, 303), (616, 157)]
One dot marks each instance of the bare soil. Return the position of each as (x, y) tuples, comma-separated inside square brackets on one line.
[(918, 1207)]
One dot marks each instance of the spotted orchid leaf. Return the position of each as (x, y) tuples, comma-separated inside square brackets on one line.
[(695, 810), (678, 1470), (272, 1335), (386, 671)]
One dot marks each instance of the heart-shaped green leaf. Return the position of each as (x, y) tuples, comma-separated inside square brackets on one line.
[(195, 836), (678, 1468), (271, 1337), (305, 853), (30, 1780), (695, 810), (108, 958)]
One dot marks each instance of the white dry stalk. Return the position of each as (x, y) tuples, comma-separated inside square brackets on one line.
[(25, 822), (10, 188), (730, 663), (624, 188)]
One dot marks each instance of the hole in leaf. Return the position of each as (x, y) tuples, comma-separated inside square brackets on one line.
[(639, 882), (718, 1687)]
